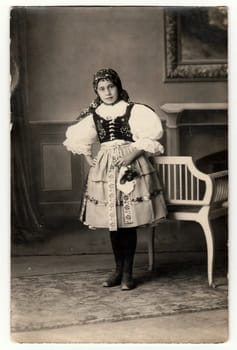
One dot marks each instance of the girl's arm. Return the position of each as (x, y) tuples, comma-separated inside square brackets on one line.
[(146, 128)]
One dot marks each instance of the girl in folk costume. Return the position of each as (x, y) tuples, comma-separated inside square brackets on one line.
[(123, 191)]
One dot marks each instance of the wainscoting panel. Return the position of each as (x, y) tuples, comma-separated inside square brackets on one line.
[(55, 159), (58, 176)]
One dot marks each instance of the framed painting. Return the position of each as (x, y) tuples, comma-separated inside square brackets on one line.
[(196, 43)]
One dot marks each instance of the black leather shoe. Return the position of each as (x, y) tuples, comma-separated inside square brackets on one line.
[(113, 280), (128, 282)]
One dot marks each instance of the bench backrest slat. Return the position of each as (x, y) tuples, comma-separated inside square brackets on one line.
[(183, 183)]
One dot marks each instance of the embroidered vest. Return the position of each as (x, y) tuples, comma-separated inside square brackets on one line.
[(117, 129)]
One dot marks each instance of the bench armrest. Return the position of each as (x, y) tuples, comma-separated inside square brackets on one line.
[(220, 186)]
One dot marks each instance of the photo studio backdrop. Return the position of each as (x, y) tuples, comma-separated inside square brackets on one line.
[(180, 72)]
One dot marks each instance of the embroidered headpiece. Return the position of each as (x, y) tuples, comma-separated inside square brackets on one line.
[(107, 73)]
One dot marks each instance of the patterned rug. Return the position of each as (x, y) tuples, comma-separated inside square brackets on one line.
[(65, 299)]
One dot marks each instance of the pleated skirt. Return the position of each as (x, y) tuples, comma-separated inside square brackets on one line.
[(105, 206)]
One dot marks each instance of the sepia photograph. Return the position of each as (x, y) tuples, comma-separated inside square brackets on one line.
[(119, 174)]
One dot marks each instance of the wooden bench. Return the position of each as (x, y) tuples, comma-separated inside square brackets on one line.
[(191, 195)]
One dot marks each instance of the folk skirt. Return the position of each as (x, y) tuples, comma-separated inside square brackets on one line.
[(105, 206)]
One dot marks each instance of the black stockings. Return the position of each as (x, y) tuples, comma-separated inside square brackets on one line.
[(124, 243), (125, 239)]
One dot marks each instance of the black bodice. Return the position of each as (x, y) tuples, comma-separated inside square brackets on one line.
[(117, 129)]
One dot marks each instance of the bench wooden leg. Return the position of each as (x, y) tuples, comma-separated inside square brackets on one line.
[(151, 249), (206, 226)]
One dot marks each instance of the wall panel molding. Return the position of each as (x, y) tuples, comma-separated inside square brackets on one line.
[(56, 167), (58, 175)]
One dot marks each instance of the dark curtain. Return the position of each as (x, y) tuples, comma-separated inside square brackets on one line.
[(25, 218)]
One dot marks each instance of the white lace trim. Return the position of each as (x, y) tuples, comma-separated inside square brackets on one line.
[(77, 148), (150, 146)]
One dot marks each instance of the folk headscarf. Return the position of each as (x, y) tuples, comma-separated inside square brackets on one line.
[(107, 74)]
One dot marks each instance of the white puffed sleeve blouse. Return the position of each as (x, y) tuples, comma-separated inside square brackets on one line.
[(145, 125), (81, 136), (146, 129)]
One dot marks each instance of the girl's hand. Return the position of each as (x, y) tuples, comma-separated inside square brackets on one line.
[(124, 161), (90, 161), (129, 158)]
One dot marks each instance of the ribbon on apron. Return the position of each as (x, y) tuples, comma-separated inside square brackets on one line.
[(112, 190)]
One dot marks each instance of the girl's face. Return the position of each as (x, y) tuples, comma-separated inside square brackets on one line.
[(107, 91)]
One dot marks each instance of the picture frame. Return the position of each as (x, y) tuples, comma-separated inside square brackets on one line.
[(195, 44)]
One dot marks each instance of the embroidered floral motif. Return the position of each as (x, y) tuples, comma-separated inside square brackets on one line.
[(101, 131), (125, 130), (121, 202)]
